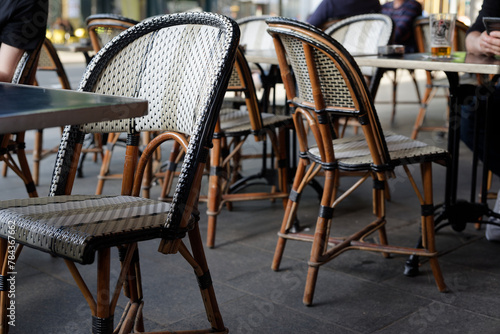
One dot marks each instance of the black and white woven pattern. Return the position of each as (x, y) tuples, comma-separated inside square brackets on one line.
[(75, 226), (345, 93), (196, 52), (352, 153), (334, 88)]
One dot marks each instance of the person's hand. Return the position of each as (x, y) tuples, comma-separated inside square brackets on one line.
[(490, 44)]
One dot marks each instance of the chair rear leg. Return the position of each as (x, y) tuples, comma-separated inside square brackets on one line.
[(320, 242), (289, 216), (415, 83), (394, 95), (22, 170), (428, 95), (106, 161), (379, 198), (214, 191), (170, 172), (428, 225), (199, 263), (37, 155)]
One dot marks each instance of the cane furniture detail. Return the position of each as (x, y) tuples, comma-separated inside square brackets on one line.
[(328, 82), (181, 64)]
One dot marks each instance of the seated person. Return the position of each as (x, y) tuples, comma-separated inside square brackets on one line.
[(480, 43), (22, 26), (339, 9), (403, 13)]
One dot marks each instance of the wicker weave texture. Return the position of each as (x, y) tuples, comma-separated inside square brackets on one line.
[(254, 34), (65, 225), (353, 152), (163, 63), (238, 123), (75, 226), (333, 86)]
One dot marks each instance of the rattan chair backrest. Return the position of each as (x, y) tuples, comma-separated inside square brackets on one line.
[(363, 34), (181, 64), (328, 81), (253, 33), (422, 35), (49, 61), (102, 28), (254, 36)]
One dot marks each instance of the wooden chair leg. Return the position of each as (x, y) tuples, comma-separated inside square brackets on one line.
[(428, 239), (379, 198), (148, 174), (102, 322), (37, 155), (214, 191), (106, 161), (199, 263), (428, 95), (290, 213), (282, 162), (170, 172), (415, 83), (394, 95), (320, 242), (22, 169)]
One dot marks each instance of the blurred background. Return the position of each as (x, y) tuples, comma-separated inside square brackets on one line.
[(69, 15)]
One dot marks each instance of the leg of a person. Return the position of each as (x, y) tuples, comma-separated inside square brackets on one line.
[(470, 110), (9, 57)]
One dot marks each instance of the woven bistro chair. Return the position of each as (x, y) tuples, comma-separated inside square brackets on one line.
[(363, 34), (433, 84), (329, 82), (181, 64), (12, 145)]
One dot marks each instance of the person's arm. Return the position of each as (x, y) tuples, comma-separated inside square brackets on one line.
[(481, 43), (9, 58)]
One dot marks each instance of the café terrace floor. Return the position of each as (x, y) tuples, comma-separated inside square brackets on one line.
[(358, 292)]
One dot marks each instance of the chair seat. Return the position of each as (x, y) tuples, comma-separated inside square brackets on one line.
[(352, 153), (75, 226), (237, 122)]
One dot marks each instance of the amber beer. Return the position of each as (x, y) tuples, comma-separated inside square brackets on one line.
[(441, 51), (442, 26)]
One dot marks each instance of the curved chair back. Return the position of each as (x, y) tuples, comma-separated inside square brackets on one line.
[(253, 33), (254, 37), (27, 66), (363, 34), (103, 28), (328, 82), (181, 64), (49, 61), (422, 35)]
